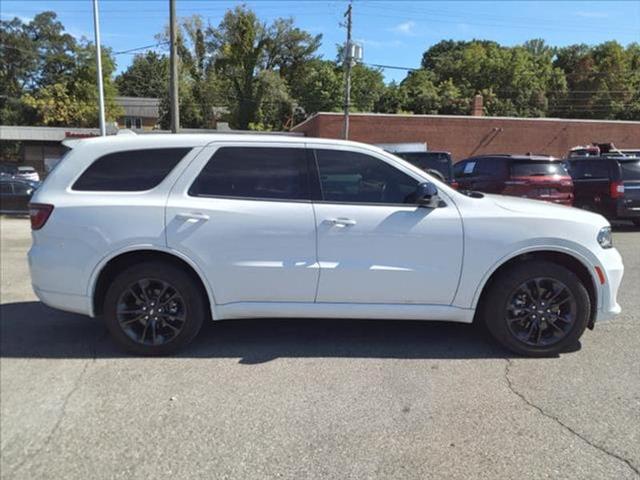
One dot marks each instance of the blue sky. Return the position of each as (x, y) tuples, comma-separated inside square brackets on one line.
[(393, 33)]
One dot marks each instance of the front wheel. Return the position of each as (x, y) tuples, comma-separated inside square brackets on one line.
[(154, 308), (537, 308)]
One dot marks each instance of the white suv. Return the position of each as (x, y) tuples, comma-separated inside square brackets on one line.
[(157, 233)]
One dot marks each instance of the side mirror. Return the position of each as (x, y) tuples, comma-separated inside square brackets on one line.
[(427, 195)]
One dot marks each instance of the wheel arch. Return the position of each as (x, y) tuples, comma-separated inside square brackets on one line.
[(570, 260), (110, 266)]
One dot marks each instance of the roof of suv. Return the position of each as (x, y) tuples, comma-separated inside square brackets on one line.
[(524, 158), (201, 139)]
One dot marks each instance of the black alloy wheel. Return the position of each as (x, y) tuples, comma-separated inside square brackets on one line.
[(155, 308), (536, 308), (541, 311)]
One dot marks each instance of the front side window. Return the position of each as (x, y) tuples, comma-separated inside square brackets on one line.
[(352, 177), (630, 170), (255, 172), (130, 170)]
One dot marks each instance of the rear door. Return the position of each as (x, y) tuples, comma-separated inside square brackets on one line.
[(487, 175), (630, 173), (7, 199), (591, 185), (243, 213)]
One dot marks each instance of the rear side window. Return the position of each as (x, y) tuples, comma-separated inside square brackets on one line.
[(630, 170), (130, 170), (587, 169), (533, 169), (255, 172)]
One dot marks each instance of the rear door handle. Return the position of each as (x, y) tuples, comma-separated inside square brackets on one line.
[(341, 222), (193, 216)]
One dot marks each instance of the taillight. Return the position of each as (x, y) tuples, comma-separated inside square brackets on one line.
[(39, 213), (455, 185), (616, 189)]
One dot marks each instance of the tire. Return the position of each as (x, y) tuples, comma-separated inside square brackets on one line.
[(154, 308), (509, 308), (636, 222)]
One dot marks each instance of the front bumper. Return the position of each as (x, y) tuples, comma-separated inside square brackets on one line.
[(613, 270)]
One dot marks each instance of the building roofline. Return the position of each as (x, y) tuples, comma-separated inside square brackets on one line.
[(467, 117)]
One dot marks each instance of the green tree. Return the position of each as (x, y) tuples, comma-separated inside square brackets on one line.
[(242, 48), (318, 87), (367, 86), (147, 76), (49, 78), (73, 100)]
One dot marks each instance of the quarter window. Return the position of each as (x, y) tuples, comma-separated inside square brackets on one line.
[(255, 172), (130, 171), (353, 177)]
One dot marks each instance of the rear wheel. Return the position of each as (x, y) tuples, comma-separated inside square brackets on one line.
[(537, 308), (154, 308)]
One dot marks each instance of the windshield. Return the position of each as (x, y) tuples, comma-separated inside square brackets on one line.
[(440, 161), (630, 169), (536, 169)]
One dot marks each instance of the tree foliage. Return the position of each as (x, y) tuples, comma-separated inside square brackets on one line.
[(267, 76), (147, 76), (48, 77)]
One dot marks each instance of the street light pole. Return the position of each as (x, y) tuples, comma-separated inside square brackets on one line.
[(173, 60), (96, 28), (347, 76)]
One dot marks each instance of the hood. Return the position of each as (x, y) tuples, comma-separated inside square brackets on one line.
[(543, 209)]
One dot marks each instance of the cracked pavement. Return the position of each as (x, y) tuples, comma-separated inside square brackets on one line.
[(312, 398)]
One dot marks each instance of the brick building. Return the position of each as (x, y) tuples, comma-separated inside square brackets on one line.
[(465, 136)]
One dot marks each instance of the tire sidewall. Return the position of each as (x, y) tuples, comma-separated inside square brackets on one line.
[(501, 289), (194, 304)]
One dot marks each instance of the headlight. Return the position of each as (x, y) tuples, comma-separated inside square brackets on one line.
[(604, 237)]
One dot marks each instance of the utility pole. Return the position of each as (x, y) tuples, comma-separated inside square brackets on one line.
[(96, 29), (347, 75), (175, 106)]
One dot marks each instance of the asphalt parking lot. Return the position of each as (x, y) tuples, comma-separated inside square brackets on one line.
[(312, 398)]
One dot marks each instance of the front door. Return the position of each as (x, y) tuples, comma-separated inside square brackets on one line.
[(244, 215), (375, 245)]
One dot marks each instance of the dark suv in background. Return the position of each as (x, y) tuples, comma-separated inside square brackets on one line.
[(532, 176), (438, 164), (607, 185)]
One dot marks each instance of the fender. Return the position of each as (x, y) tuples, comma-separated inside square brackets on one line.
[(589, 261), (95, 274)]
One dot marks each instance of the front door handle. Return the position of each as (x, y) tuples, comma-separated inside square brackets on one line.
[(341, 222), (193, 216)]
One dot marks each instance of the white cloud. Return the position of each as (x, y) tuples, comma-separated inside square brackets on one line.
[(405, 28)]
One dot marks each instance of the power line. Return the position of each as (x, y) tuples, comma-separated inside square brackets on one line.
[(122, 52)]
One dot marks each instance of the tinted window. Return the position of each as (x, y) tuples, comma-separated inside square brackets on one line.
[(458, 169), (5, 188), (488, 166), (584, 169), (630, 169), (439, 161), (21, 188), (466, 169), (255, 172), (130, 171), (359, 178), (528, 169)]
